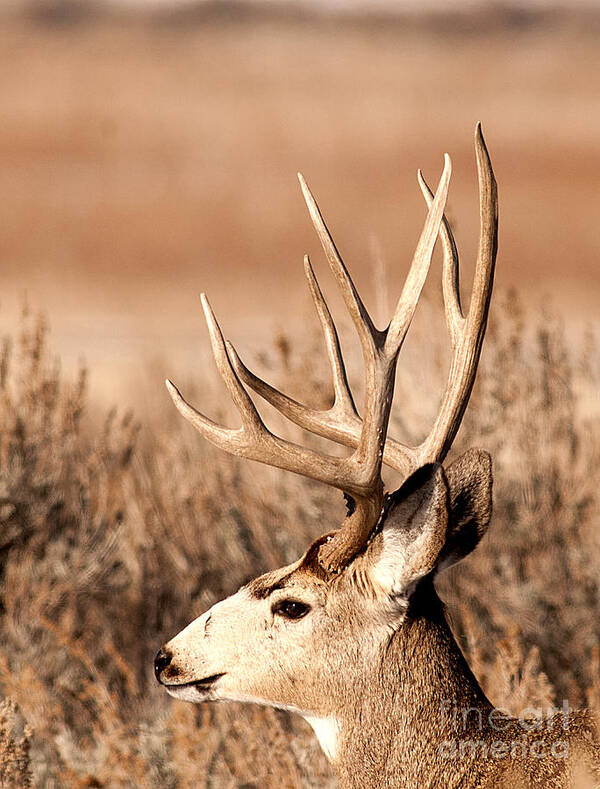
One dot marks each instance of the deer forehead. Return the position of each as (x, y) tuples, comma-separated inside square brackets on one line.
[(301, 576)]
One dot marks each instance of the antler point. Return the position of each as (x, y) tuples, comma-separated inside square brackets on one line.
[(173, 390), (231, 351), (479, 141)]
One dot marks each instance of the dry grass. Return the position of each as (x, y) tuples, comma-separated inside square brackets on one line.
[(113, 537)]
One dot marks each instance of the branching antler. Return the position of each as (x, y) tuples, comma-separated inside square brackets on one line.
[(359, 475), (341, 423)]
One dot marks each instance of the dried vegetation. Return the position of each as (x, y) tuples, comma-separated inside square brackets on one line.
[(113, 536)]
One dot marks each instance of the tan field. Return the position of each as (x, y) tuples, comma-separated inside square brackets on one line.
[(141, 165)]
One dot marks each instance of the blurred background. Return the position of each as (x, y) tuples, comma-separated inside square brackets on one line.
[(148, 152)]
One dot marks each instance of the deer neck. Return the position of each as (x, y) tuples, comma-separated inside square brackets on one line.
[(390, 732)]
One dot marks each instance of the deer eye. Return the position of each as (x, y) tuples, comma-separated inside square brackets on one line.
[(291, 609)]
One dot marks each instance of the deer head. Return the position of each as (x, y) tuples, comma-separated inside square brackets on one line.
[(309, 637)]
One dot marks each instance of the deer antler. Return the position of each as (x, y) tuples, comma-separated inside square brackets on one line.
[(359, 475), (341, 422)]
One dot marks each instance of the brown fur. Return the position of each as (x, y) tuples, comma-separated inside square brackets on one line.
[(373, 663), (393, 726)]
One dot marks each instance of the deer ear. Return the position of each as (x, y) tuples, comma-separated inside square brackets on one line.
[(415, 522), (470, 486)]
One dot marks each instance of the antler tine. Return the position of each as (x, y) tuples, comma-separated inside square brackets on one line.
[(470, 331), (370, 337), (343, 400), (293, 410), (488, 234), (250, 419), (450, 271), (341, 422), (224, 438), (419, 269), (217, 435)]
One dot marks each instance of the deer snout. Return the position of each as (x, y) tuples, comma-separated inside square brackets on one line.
[(161, 662)]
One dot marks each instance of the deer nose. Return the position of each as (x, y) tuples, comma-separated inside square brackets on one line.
[(161, 662)]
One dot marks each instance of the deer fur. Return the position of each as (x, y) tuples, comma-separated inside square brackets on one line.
[(373, 666)]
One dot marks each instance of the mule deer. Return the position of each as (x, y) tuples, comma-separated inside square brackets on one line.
[(353, 635)]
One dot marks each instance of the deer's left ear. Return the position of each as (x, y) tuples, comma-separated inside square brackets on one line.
[(433, 521), (413, 534)]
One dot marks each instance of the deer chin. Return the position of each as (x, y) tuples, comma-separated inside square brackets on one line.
[(197, 690)]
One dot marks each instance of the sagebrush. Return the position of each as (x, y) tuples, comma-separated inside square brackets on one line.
[(115, 534)]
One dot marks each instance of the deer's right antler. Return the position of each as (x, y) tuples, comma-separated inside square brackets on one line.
[(359, 474)]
